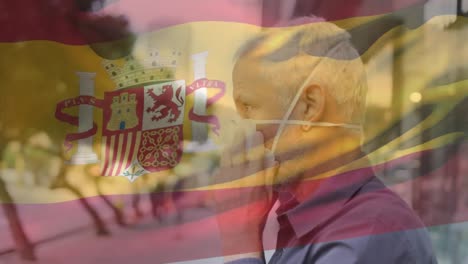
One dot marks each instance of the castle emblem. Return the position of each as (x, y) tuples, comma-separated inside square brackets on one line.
[(143, 119), (123, 112)]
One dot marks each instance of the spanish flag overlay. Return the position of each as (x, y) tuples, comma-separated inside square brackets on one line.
[(233, 131)]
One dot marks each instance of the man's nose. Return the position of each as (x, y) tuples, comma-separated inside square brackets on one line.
[(268, 130)]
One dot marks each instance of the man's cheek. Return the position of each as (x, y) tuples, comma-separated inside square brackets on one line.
[(269, 132), (269, 144)]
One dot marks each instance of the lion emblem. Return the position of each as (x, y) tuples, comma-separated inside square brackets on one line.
[(164, 106)]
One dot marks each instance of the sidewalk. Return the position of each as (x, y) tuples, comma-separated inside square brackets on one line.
[(147, 241), (66, 234), (137, 244), (46, 221)]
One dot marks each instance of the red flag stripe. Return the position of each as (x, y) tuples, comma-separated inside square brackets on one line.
[(63, 22), (200, 231)]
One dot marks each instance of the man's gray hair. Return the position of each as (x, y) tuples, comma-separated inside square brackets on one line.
[(288, 55)]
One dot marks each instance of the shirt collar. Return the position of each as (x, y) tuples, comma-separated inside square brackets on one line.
[(329, 196)]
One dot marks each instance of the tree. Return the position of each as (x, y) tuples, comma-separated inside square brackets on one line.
[(23, 245)]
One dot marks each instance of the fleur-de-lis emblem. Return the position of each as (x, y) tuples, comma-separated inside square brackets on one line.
[(134, 171)]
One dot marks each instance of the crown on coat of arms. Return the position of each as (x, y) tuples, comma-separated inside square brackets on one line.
[(154, 67)]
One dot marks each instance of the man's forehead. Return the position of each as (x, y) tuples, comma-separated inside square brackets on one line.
[(265, 72), (250, 85), (247, 67), (247, 73)]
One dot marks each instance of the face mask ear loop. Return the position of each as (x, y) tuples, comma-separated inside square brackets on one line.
[(302, 122), (291, 107), (298, 95)]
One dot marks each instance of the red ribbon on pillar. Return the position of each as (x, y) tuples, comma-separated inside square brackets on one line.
[(206, 83), (74, 120)]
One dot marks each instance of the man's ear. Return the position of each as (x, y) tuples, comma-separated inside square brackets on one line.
[(314, 99)]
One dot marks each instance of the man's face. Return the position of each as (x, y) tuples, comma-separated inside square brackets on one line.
[(257, 99)]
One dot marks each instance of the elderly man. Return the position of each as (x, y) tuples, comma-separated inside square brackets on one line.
[(304, 87)]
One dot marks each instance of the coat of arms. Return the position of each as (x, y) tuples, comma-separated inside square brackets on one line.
[(142, 128)]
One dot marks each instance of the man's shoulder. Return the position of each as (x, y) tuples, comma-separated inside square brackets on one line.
[(374, 206), (377, 215), (376, 202), (376, 221)]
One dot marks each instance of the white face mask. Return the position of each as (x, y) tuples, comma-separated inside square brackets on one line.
[(285, 121)]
